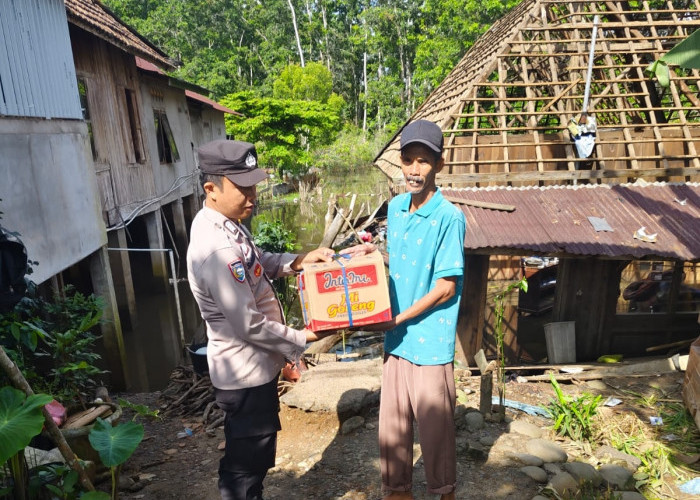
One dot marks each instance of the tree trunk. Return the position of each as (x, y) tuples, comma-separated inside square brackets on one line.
[(296, 33)]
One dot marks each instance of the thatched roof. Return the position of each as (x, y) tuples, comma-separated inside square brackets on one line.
[(505, 107)]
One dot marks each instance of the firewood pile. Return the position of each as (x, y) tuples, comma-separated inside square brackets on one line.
[(189, 394)]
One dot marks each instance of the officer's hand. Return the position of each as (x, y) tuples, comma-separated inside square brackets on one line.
[(312, 336), (321, 254)]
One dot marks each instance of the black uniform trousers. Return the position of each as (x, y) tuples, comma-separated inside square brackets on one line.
[(250, 428)]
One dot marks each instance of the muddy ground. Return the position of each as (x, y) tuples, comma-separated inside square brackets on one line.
[(315, 461)]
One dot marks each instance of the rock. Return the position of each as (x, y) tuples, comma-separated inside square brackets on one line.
[(474, 421), (487, 441), (352, 424), (534, 473), (525, 428), (546, 450), (617, 477), (329, 387), (553, 469), (596, 385), (125, 482), (526, 459), (170, 451), (629, 462), (583, 472), (476, 451), (563, 482)]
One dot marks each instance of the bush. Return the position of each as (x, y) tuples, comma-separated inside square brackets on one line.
[(573, 416)]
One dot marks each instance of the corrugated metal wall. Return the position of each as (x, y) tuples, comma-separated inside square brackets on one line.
[(37, 75)]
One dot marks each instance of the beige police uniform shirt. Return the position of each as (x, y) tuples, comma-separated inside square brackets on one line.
[(230, 279)]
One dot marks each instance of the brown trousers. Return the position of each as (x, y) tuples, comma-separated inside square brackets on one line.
[(427, 395)]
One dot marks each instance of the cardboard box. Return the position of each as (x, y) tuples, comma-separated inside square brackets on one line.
[(344, 293)]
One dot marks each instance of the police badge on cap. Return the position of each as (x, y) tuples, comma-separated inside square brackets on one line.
[(237, 160)]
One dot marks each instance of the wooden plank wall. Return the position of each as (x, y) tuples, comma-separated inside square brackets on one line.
[(123, 182)]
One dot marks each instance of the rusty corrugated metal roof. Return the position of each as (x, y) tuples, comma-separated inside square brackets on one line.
[(144, 65), (554, 220), (94, 17)]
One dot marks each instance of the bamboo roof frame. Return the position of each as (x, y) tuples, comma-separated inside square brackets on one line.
[(505, 107)]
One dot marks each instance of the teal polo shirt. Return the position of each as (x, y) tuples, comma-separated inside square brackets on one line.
[(423, 246)]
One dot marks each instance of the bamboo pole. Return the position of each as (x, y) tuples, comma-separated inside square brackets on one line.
[(21, 383)]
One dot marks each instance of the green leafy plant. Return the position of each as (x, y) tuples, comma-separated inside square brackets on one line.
[(272, 236), (52, 343), (573, 416), (115, 444), (58, 478), (21, 419), (500, 335)]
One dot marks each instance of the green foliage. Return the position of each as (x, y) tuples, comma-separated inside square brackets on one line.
[(283, 130), (139, 410), (21, 419), (685, 54), (500, 334), (52, 343), (115, 444), (404, 47), (313, 82), (573, 416), (272, 236), (59, 479)]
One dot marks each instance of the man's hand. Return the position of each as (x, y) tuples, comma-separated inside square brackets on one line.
[(376, 327), (361, 249)]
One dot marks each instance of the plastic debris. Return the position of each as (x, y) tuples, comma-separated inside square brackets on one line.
[(529, 409), (656, 421), (186, 433), (692, 487), (682, 202), (612, 402), (610, 358), (641, 234), (599, 224)]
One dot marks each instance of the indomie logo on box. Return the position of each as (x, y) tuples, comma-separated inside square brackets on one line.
[(356, 277)]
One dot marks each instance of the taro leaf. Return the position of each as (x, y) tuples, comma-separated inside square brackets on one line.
[(115, 444), (20, 420)]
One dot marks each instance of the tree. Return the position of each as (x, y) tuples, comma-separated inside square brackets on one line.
[(310, 83), (283, 130)]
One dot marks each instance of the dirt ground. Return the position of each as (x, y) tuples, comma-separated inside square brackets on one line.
[(315, 461)]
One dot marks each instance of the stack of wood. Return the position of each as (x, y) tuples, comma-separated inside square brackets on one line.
[(190, 395)]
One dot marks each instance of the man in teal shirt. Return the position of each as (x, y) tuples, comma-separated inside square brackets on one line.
[(426, 265)]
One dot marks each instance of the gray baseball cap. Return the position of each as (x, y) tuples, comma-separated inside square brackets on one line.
[(236, 160), (424, 132)]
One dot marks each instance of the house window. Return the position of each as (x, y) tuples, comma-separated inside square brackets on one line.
[(83, 93), (134, 126), (167, 150)]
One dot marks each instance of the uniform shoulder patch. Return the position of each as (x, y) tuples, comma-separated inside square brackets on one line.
[(237, 270), (257, 270)]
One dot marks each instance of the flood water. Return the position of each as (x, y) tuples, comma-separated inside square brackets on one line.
[(153, 343)]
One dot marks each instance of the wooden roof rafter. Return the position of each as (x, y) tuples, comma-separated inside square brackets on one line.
[(526, 77)]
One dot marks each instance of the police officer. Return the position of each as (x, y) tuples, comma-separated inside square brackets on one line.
[(248, 341)]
